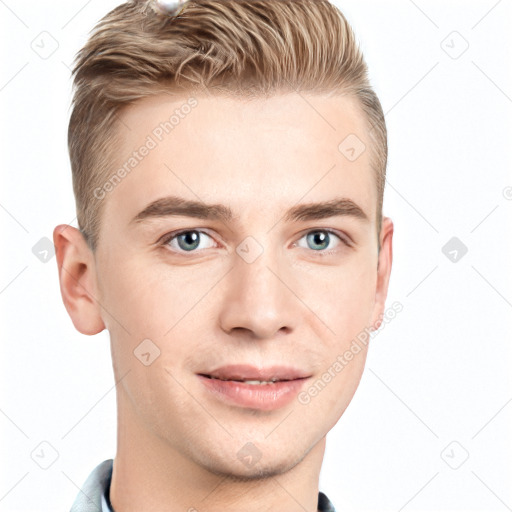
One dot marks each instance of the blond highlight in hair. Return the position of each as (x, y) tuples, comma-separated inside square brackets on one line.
[(245, 48)]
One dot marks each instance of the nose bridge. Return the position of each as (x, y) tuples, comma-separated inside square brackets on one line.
[(258, 300)]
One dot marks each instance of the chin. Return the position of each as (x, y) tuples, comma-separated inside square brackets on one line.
[(236, 469), (236, 472)]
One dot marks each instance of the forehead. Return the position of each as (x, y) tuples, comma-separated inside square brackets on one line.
[(239, 151)]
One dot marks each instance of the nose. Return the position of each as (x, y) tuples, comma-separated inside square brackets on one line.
[(259, 300)]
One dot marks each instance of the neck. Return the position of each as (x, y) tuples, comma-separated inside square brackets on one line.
[(152, 473)]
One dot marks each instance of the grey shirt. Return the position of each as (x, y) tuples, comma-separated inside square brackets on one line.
[(94, 495)]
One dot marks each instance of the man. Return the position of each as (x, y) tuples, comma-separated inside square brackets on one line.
[(228, 167)]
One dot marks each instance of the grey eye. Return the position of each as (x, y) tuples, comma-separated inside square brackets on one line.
[(189, 241), (320, 240)]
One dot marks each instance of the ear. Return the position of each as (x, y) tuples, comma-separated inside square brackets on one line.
[(383, 270), (77, 276)]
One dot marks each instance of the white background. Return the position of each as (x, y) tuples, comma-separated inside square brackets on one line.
[(437, 386)]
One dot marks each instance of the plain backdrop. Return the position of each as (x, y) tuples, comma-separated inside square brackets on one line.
[(429, 428)]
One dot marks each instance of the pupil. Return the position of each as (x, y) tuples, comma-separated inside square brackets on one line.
[(191, 237)]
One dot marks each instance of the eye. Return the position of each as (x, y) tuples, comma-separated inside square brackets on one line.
[(188, 241), (322, 239)]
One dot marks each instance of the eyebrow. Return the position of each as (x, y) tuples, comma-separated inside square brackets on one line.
[(179, 207)]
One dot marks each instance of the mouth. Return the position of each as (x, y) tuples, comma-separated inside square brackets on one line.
[(253, 375), (250, 381), (246, 386)]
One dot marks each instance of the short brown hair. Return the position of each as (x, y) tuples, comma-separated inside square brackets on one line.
[(235, 47)]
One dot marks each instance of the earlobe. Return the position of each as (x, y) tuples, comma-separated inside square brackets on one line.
[(77, 279), (385, 261)]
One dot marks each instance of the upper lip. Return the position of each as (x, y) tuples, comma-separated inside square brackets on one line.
[(249, 372)]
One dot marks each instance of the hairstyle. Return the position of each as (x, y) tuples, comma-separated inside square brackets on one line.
[(245, 48)]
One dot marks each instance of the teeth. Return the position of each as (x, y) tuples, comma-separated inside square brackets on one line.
[(255, 382), (258, 382)]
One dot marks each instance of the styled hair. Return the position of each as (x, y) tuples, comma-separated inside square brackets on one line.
[(245, 48)]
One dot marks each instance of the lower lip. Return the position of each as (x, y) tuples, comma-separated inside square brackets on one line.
[(266, 397)]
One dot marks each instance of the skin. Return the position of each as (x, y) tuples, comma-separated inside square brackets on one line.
[(177, 444)]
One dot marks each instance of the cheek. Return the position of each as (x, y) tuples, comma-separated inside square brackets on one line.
[(342, 297), (139, 300), (154, 302)]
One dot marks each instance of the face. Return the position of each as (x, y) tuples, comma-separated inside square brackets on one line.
[(276, 266)]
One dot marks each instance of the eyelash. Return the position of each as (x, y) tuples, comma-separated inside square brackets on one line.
[(164, 241)]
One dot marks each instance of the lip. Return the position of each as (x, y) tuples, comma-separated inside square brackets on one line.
[(249, 372), (265, 397)]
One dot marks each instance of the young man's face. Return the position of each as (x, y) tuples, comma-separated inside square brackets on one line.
[(258, 288)]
